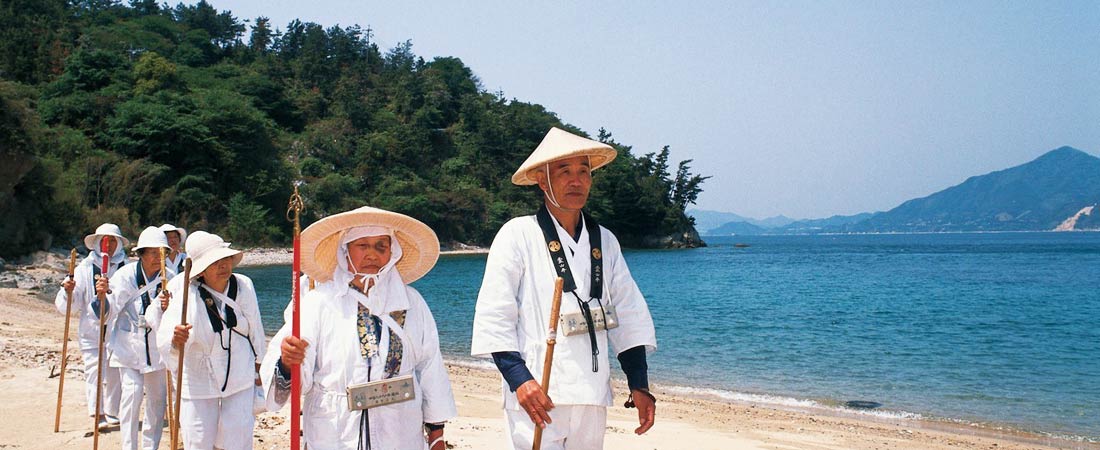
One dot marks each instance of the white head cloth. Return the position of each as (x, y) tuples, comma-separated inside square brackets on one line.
[(388, 293)]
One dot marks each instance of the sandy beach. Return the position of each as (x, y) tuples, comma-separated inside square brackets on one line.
[(30, 344)]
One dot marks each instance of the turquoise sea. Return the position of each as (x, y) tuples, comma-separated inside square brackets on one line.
[(1001, 330)]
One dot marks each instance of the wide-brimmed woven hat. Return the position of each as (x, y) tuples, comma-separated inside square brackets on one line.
[(92, 241), (169, 227), (206, 249), (419, 244), (561, 144), (151, 237)]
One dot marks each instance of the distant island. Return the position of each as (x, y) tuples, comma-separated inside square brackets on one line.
[(1059, 191)]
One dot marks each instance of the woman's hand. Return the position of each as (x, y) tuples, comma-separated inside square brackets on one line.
[(102, 287), (164, 298), (293, 351)]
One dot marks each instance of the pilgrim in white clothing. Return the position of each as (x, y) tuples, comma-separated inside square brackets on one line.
[(223, 345), (176, 237), (363, 323), (135, 300), (602, 308), (87, 307)]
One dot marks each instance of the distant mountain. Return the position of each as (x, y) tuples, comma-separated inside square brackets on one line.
[(709, 220), (736, 228), (773, 222), (831, 224), (1039, 195)]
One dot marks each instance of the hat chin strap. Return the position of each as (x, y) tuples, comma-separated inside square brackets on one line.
[(549, 195)]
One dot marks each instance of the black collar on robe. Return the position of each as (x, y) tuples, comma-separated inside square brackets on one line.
[(561, 263), (212, 309)]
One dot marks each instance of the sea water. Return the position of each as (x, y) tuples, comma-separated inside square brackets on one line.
[(996, 329)]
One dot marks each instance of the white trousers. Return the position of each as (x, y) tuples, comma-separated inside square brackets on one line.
[(572, 427), (154, 388), (224, 423), (112, 391)]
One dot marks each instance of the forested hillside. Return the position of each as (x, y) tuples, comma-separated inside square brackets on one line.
[(139, 114)]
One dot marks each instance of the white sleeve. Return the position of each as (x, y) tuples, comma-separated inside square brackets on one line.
[(635, 323), (438, 404), (79, 299), (309, 326), (496, 315)]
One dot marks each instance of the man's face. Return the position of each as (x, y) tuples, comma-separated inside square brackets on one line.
[(173, 240), (571, 179), (370, 254)]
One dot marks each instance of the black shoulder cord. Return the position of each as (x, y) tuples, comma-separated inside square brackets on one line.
[(230, 322), (364, 421), (561, 265), (145, 301)]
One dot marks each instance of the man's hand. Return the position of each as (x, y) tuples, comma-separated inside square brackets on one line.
[(179, 337), (164, 298), (293, 351), (68, 285), (535, 402), (102, 287), (647, 408)]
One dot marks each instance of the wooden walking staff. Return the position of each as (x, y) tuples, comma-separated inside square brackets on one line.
[(175, 429), (164, 288), (295, 207), (105, 248), (65, 344), (551, 340)]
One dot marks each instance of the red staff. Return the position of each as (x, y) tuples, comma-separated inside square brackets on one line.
[(293, 211), (105, 248)]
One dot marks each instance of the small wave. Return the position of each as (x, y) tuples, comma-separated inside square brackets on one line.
[(787, 402)]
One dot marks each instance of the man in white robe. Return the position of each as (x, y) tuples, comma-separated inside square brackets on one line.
[(87, 305), (135, 298), (362, 273), (513, 306), (223, 344)]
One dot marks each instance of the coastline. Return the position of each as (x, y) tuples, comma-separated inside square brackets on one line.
[(29, 340)]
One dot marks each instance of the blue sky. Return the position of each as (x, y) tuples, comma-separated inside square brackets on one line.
[(806, 109)]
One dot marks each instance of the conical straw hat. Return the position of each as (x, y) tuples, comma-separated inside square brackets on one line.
[(419, 244), (561, 144)]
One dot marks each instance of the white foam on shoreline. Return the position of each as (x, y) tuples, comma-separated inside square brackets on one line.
[(828, 408)]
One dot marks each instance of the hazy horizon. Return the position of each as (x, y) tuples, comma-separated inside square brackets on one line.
[(806, 110)]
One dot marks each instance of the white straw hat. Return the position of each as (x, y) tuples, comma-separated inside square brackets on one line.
[(93, 240), (419, 244), (151, 237), (561, 144), (206, 249), (169, 227)]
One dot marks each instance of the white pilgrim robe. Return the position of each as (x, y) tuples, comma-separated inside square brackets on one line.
[(513, 311), (329, 323), (127, 340), (87, 332), (137, 356), (204, 358)]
